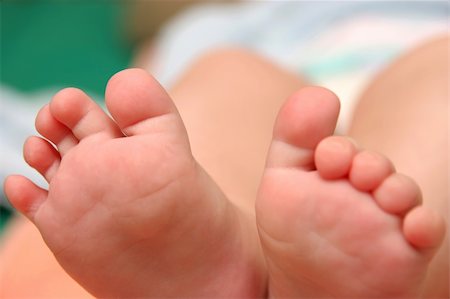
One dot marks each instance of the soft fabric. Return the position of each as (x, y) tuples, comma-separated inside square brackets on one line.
[(339, 45)]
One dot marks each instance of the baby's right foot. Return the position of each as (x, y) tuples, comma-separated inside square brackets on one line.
[(337, 222), (129, 212)]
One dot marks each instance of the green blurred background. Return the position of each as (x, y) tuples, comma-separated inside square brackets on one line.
[(62, 43)]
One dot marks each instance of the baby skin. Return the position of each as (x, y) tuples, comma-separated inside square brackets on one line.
[(336, 221), (129, 212)]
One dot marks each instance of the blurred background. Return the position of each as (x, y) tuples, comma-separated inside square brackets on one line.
[(47, 45)]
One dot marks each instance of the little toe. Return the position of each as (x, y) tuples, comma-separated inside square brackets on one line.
[(424, 229), (73, 108), (53, 130), (334, 156), (24, 195), (135, 99), (42, 156), (397, 194), (368, 170), (306, 118)]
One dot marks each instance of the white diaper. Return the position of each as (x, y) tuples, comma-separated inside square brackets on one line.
[(339, 45)]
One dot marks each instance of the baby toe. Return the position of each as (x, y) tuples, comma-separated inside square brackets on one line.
[(24, 195), (397, 194), (42, 156), (368, 170), (306, 118), (334, 156), (134, 98), (81, 114), (49, 127), (424, 229)]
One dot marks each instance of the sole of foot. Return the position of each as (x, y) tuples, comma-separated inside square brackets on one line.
[(336, 221), (129, 212)]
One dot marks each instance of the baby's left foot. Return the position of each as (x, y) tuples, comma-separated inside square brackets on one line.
[(335, 221)]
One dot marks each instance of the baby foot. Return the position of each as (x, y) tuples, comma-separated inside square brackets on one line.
[(336, 221), (129, 212)]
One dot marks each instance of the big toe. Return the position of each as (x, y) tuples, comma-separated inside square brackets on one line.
[(137, 101), (306, 118)]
